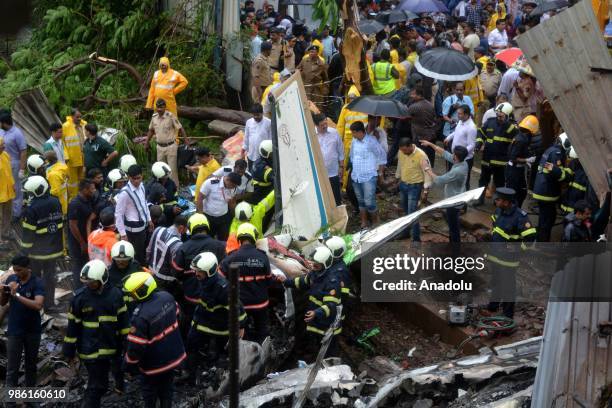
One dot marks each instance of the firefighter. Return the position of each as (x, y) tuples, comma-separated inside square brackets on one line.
[(36, 165), (579, 188), (161, 177), (125, 162), (123, 263), (338, 248), (255, 215), (57, 176), (162, 248), (510, 225), (73, 137), (255, 278), (495, 136), (115, 180), (547, 187), (42, 239), (519, 157), (97, 324), (324, 287), (166, 83), (209, 328), (154, 341), (200, 241), (263, 173), (101, 241)]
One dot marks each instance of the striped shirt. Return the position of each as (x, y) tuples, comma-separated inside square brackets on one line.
[(366, 156)]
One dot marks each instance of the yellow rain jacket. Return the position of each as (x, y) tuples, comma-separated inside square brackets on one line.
[(166, 86), (57, 176), (259, 212), (73, 144), (266, 92), (345, 120), (474, 90), (7, 183)]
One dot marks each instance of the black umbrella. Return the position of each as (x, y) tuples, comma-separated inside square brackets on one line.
[(547, 6), (446, 64), (379, 106), (368, 27), (395, 16)]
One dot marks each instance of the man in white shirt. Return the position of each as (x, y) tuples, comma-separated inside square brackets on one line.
[(498, 38), (256, 130), (240, 168), (464, 135), (215, 199), (132, 216), (55, 143), (507, 82), (332, 149)]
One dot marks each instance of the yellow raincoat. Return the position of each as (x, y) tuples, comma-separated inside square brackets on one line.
[(266, 92), (7, 183), (73, 145), (474, 90), (166, 86), (57, 176), (345, 120)]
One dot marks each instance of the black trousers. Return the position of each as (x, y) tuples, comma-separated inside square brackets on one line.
[(97, 382), (139, 241), (45, 269), (158, 387), (16, 348), (336, 189), (77, 260), (503, 287), (515, 179), (219, 226), (214, 346), (546, 220), (470, 163), (454, 225), (259, 325), (488, 171)]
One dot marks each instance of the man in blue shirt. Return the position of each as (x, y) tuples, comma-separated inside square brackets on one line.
[(26, 295), (450, 106), (368, 160)]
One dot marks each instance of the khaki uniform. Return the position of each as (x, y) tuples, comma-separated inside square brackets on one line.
[(314, 74), (261, 76), (166, 128), (289, 59), (276, 54), (490, 83)]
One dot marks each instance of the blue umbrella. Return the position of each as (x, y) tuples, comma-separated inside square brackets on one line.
[(423, 6)]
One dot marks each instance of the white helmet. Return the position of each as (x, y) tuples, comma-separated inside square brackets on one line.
[(127, 161), (504, 107), (572, 153), (160, 169), (122, 251), (36, 185), (337, 246), (265, 148), (565, 142), (116, 175), (94, 271), (324, 256), (205, 262), (243, 211), (35, 162)]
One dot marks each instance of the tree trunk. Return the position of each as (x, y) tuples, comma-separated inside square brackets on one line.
[(223, 128), (211, 113)]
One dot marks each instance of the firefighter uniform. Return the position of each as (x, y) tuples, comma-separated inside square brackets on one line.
[(116, 276), (383, 82), (263, 180), (547, 189), (58, 178), (255, 278), (73, 137), (496, 138), (314, 75), (169, 188), (509, 226), (515, 171), (97, 324), (163, 246), (155, 345), (579, 188), (259, 213), (166, 86), (42, 239)]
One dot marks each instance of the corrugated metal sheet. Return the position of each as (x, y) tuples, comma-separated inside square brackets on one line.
[(576, 359), (33, 114), (562, 50)]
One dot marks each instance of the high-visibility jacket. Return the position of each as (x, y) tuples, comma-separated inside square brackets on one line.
[(43, 227), (99, 245), (259, 212), (496, 138), (97, 323), (383, 82), (547, 185), (345, 120), (154, 342), (323, 298), (164, 243), (73, 142), (165, 86), (57, 176)]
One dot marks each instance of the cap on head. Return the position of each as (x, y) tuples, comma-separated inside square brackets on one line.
[(505, 193), (531, 124), (337, 246), (504, 107), (116, 175), (565, 142), (140, 285), (160, 170)]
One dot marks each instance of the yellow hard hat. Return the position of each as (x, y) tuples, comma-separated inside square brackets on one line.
[(196, 221), (530, 123), (247, 230), (140, 285)]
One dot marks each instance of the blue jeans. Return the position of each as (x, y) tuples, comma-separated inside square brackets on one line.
[(409, 196), (366, 194)]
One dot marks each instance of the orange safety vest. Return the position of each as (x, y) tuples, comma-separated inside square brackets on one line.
[(99, 245)]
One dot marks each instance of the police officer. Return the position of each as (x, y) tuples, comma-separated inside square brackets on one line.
[(42, 238), (547, 187), (154, 342), (314, 74), (200, 241), (510, 225), (519, 157), (495, 135), (209, 328), (97, 324), (255, 278), (161, 178), (263, 173), (261, 73), (579, 187), (162, 248), (324, 288)]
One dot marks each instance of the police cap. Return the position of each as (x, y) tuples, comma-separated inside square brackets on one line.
[(505, 193)]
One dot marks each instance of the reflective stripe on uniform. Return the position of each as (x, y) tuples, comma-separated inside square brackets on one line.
[(100, 352), (498, 162), (45, 257), (167, 367), (578, 186), (257, 306), (504, 234), (502, 139), (321, 332), (512, 264), (544, 198), (528, 231), (253, 278), (70, 339), (208, 330)]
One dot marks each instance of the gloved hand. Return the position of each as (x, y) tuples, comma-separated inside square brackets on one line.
[(21, 174), (530, 160)]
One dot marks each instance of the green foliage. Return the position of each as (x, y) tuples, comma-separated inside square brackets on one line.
[(328, 12)]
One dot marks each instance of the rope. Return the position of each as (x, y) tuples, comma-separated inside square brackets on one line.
[(496, 323)]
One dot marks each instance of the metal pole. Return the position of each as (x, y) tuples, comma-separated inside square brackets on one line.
[(278, 202), (234, 337)]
